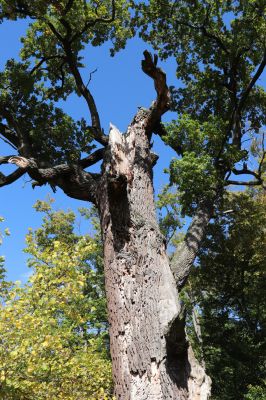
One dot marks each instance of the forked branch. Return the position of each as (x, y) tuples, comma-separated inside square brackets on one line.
[(21, 141), (8, 135), (71, 59), (93, 22)]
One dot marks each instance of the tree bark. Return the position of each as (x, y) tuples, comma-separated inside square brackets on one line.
[(187, 250), (150, 354)]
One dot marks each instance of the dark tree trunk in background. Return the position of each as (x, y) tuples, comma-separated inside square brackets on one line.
[(150, 355)]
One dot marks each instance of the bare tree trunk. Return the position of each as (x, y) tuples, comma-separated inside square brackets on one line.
[(150, 354)]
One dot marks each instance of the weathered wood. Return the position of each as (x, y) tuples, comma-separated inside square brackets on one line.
[(152, 359), (142, 297)]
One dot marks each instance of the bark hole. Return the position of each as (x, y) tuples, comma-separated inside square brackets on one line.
[(177, 363), (119, 211)]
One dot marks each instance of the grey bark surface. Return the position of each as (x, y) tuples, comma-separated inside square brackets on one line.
[(150, 355), (186, 252)]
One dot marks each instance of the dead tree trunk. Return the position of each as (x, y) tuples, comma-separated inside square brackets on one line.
[(150, 354), (152, 359)]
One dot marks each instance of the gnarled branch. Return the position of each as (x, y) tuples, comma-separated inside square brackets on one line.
[(149, 67), (82, 88), (85, 92), (92, 158), (20, 162), (71, 179), (8, 179), (162, 102)]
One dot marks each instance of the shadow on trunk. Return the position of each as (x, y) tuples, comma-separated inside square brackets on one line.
[(177, 365), (119, 211)]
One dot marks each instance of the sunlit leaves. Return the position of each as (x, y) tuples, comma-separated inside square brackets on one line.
[(169, 213), (52, 55), (4, 285), (195, 176), (198, 143), (78, 22), (177, 28), (255, 393), (53, 330)]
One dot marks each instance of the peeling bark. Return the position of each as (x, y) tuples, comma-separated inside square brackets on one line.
[(150, 354)]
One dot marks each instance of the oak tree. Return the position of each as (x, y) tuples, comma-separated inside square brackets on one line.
[(220, 53)]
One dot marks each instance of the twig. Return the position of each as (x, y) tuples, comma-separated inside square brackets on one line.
[(91, 73)]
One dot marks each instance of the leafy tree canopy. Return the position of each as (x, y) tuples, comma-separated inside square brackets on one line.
[(220, 52), (53, 329), (49, 71)]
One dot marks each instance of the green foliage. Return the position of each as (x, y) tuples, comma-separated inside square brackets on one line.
[(256, 393), (65, 139), (195, 172), (84, 22), (53, 329), (202, 36), (218, 47), (97, 16), (29, 90), (169, 214), (228, 286)]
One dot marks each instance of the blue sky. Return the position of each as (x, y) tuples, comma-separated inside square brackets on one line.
[(119, 87)]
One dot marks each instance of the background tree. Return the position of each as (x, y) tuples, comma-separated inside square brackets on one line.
[(219, 64), (224, 302), (228, 286), (53, 330)]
